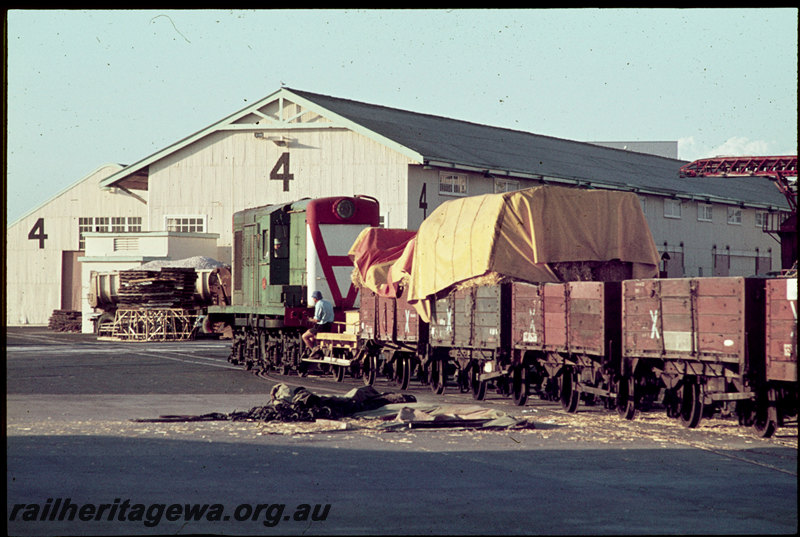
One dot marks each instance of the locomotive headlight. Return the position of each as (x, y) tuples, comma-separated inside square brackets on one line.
[(344, 209), (487, 367)]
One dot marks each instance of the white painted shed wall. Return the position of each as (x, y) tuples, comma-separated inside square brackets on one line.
[(229, 171), (33, 284)]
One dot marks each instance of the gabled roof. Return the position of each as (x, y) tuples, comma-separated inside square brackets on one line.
[(499, 152)]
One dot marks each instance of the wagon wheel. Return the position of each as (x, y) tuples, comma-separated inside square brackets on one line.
[(519, 385), (672, 403), (436, 375), (478, 386), (338, 372), (626, 398), (569, 394), (503, 386), (549, 390), (463, 380), (369, 369), (765, 415), (403, 371), (691, 409)]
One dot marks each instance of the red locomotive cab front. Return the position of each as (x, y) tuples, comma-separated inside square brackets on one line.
[(332, 226)]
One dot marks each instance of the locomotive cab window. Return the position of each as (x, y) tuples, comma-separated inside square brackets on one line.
[(279, 246)]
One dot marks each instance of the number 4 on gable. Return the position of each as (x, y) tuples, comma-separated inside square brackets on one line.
[(280, 172), (37, 233)]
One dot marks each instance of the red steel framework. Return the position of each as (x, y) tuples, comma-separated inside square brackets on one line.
[(779, 169)]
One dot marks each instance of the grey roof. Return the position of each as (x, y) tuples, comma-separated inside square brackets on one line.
[(461, 143)]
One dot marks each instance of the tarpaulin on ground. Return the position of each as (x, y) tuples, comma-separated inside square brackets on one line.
[(520, 234), (374, 252)]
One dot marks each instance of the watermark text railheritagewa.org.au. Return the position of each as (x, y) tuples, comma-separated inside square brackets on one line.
[(151, 515)]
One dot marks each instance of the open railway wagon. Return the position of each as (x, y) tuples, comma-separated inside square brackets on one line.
[(561, 339), (565, 340), (282, 253), (393, 336), (711, 344), (446, 313)]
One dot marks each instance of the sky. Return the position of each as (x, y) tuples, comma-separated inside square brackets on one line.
[(89, 88)]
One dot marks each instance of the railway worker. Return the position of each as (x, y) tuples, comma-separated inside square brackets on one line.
[(323, 319)]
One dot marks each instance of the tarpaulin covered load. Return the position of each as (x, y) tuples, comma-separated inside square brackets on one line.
[(524, 235), (374, 252)]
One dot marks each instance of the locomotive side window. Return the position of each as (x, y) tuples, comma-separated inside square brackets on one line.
[(237, 254)]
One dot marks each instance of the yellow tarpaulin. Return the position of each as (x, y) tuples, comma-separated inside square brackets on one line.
[(521, 234)]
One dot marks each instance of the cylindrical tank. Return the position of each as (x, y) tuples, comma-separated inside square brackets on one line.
[(103, 288)]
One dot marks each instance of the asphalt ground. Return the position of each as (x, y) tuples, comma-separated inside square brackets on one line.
[(72, 446)]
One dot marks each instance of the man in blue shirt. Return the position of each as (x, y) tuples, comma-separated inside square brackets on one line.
[(323, 317)]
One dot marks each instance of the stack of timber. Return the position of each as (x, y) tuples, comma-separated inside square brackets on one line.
[(65, 321), (170, 287)]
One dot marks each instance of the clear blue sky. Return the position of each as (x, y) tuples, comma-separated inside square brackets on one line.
[(86, 88)]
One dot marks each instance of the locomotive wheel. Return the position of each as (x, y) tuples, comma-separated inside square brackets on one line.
[(369, 369), (237, 353), (262, 350), (437, 375), (478, 386), (569, 394), (403, 371), (626, 398), (691, 405), (519, 385)]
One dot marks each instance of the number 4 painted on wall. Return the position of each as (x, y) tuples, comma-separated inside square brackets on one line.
[(37, 233), (280, 172)]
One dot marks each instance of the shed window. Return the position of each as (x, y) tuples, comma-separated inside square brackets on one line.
[(106, 224), (453, 184), (505, 185), (134, 224), (101, 224), (186, 224), (672, 208), (734, 215), (704, 212)]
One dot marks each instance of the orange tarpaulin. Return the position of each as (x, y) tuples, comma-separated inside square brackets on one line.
[(519, 234), (374, 252)]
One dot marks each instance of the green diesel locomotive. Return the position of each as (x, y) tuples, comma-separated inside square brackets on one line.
[(281, 254)]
